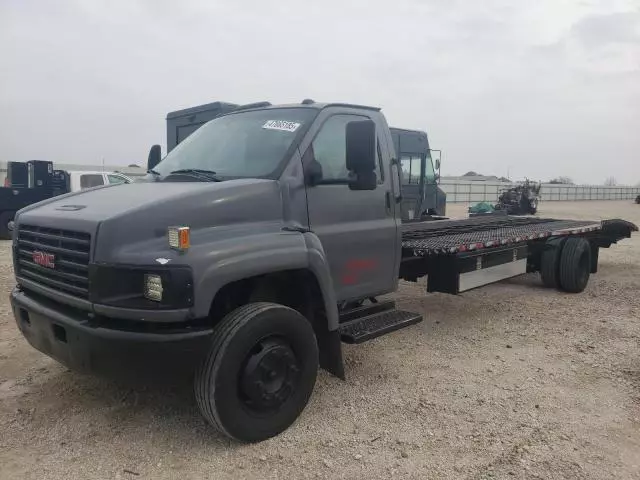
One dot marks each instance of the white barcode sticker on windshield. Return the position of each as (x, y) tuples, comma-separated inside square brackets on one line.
[(281, 125)]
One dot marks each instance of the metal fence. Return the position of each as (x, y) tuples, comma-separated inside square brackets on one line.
[(481, 191)]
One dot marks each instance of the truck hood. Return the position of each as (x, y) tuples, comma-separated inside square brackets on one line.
[(143, 211)]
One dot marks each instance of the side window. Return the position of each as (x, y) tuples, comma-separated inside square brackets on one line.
[(116, 179), (89, 180), (410, 168), (328, 149), (429, 172)]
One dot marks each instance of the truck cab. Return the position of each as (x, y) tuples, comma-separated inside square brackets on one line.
[(279, 213), (421, 196)]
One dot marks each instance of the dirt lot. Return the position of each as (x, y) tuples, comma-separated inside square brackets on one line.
[(509, 381)]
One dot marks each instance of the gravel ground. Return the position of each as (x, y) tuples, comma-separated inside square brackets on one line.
[(509, 381)]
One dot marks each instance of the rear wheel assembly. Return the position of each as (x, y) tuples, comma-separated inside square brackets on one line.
[(575, 265), (550, 263)]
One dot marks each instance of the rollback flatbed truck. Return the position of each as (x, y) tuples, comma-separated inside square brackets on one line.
[(255, 248)]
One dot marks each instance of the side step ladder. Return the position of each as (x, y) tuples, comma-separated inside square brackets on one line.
[(370, 321)]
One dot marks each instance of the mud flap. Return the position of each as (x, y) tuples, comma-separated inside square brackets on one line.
[(595, 253), (330, 349)]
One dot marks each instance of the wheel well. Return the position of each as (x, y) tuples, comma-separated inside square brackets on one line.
[(297, 289)]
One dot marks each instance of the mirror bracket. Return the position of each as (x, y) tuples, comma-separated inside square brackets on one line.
[(363, 181), (155, 153)]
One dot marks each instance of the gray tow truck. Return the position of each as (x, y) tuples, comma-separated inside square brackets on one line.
[(255, 248)]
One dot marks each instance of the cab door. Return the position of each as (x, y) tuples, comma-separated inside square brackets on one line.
[(430, 198), (357, 228)]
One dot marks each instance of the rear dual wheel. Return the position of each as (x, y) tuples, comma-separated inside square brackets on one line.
[(566, 264), (575, 265), (550, 262), (259, 373)]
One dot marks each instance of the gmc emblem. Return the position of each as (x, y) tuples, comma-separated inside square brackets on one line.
[(43, 259)]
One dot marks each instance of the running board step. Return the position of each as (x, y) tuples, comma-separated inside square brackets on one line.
[(366, 310), (367, 328)]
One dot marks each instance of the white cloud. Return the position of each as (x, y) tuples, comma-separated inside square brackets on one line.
[(545, 88)]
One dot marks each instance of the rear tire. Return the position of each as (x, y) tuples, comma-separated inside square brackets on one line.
[(5, 218), (550, 263), (259, 373), (575, 265)]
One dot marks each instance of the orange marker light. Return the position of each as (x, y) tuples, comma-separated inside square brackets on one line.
[(179, 238), (184, 238)]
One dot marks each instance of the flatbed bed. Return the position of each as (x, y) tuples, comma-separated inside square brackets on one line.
[(453, 236), (457, 255), (461, 254)]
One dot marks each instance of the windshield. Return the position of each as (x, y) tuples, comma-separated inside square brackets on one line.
[(243, 144)]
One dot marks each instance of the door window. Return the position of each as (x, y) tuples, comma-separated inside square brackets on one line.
[(429, 172), (328, 150), (89, 180), (410, 164)]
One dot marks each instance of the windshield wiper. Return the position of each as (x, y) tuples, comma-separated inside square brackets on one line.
[(205, 175)]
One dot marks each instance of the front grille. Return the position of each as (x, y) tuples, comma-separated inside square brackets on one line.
[(67, 271)]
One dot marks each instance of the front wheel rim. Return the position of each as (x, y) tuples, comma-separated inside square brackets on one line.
[(269, 376)]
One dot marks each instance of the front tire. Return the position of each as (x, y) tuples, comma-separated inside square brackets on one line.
[(260, 372)]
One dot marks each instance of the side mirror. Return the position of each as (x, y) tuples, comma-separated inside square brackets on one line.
[(437, 164), (361, 154), (154, 157)]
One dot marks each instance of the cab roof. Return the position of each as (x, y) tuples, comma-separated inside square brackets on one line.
[(307, 103)]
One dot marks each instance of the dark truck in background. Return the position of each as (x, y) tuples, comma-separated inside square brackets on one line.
[(28, 183), (255, 248), (421, 196)]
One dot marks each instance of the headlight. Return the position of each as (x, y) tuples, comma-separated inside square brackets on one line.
[(153, 287), (141, 286)]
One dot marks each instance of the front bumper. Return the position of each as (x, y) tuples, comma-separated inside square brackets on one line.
[(71, 338)]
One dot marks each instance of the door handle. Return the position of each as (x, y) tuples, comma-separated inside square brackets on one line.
[(387, 201)]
